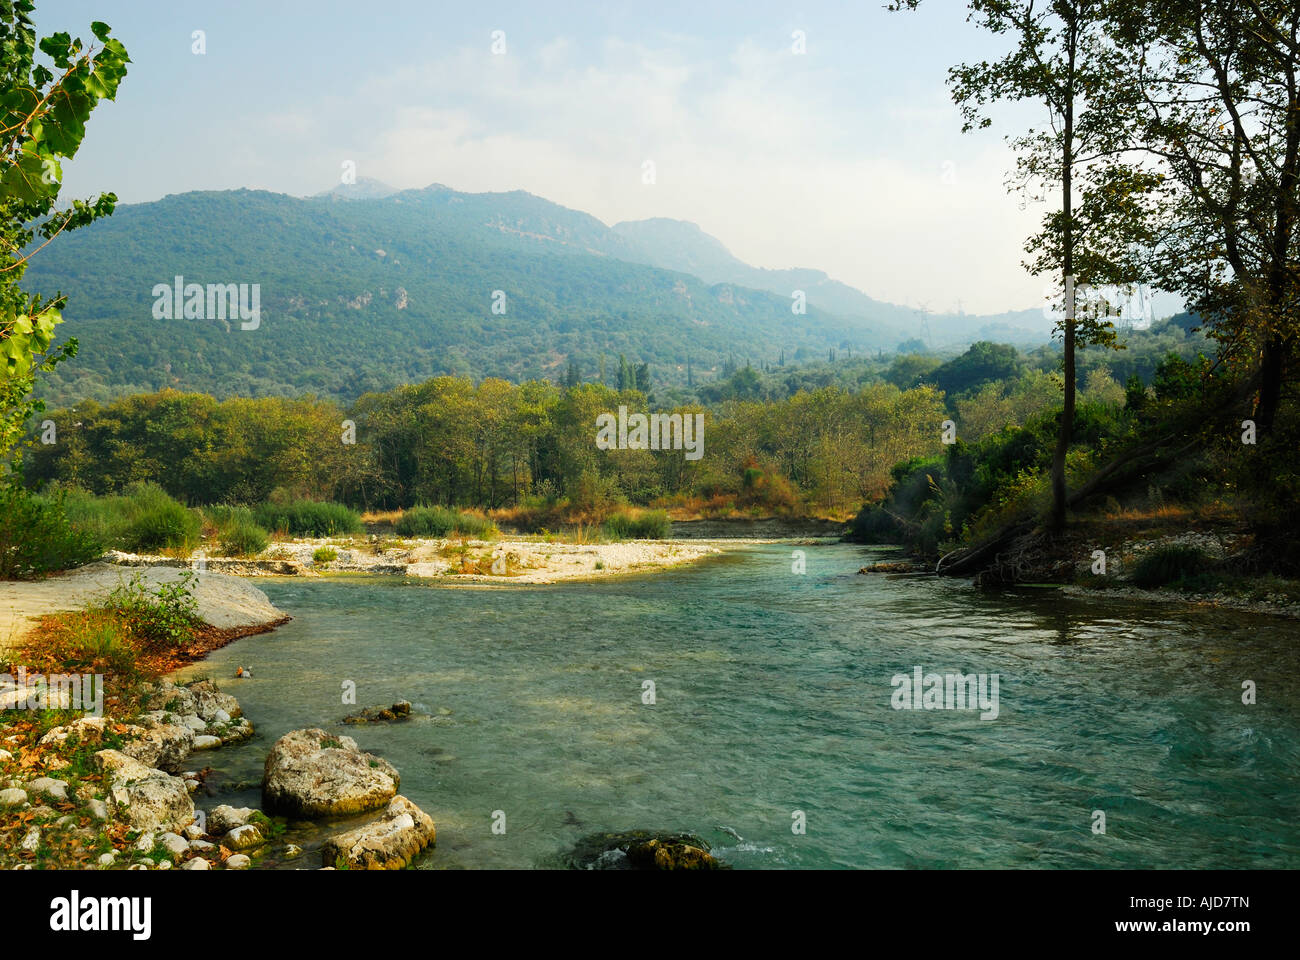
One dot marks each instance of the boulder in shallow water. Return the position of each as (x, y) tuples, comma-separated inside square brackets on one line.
[(401, 710), (311, 773), (225, 818), (642, 850), (388, 843)]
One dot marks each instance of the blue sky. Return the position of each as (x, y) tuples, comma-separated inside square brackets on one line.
[(848, 158)]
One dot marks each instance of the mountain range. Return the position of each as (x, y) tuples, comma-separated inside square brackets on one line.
[(364, 287)]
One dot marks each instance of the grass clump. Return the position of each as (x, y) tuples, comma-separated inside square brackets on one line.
[(442, 522), (142, 519), (324, 555), (244, 540), (1176, 565), (646, 525), (309, 518)]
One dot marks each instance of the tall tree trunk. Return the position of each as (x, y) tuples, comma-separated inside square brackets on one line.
[(1067, 270), (1270, 383)]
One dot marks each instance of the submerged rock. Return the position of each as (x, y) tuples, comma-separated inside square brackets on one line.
[(311, 773), (388, 843), (642, 850), (401, 710)]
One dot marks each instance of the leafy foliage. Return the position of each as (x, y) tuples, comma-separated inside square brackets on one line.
[(42, 121), (164, 615), (36, 536)]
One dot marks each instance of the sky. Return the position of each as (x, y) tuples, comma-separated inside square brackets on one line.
[(848, 157)]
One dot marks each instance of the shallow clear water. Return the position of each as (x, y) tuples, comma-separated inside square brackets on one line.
[(774, 695)]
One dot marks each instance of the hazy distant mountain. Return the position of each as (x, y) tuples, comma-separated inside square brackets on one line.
[(679, 245)]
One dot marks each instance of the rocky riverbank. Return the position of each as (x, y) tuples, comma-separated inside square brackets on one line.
[(112, 792), (462, 561), (1096, 562)]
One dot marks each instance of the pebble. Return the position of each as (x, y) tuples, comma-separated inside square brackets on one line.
[(174, 844)]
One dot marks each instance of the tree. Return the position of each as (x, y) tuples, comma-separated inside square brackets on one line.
[(1217, 85), (1063, 60), (42, 120)]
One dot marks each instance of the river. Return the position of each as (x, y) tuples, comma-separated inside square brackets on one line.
[(773, 698)]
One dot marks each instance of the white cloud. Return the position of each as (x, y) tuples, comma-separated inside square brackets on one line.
[(758, 148)]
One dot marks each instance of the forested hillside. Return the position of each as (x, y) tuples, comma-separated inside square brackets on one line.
[(367, 294), (362, 290)]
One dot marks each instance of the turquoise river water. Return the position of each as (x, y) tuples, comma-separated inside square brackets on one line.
[(773, 695)]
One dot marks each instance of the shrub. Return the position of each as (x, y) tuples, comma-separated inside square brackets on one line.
[(324, 555), (244, 540), (441, 521), (36, 536), (165, 615), (648, 525), (1171, 565), (309, 518)]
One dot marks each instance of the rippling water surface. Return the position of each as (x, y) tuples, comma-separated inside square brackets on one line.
[(773, 695)]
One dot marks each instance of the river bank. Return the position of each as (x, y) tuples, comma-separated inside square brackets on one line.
[(1208, 566)]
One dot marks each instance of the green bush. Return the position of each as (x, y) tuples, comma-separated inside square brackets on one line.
[(442, 522), (309, 518), (1171, 565), (165, 615), (323, 555), (242, 539), (36, 536), (648, 525)]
